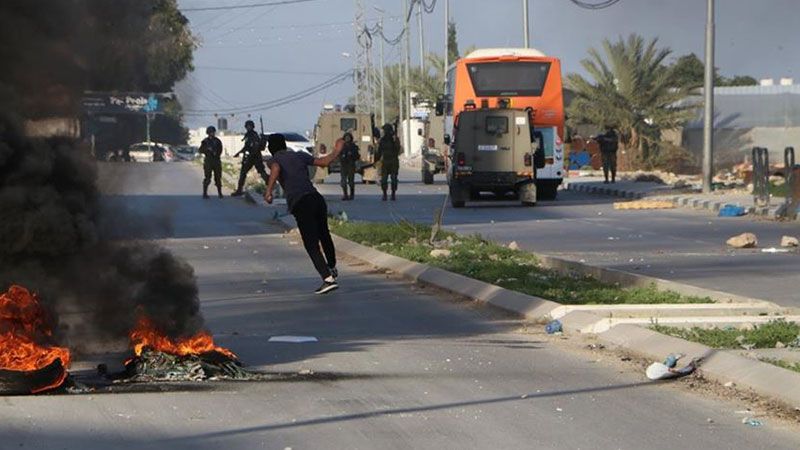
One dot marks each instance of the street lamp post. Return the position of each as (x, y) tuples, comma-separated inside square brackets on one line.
[(526, 36), (708, 107)]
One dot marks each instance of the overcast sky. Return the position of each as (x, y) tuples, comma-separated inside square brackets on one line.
[(289, 48)]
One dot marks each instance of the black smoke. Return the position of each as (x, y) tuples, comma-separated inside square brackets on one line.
[(51, 238)]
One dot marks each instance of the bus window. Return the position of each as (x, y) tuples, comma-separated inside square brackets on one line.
[(508, 78), (348, 124)]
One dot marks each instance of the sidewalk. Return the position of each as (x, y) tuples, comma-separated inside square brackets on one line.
[(681, 197)]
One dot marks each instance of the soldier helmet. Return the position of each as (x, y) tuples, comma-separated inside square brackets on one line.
[(348, 135), (249, 124), (211, 129)]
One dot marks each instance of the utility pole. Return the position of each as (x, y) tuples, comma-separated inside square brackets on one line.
[(446, 37), (407, 91), (363, 64), (708, 107), (421, 39), (383, 77), (400, 99), (526, 33)]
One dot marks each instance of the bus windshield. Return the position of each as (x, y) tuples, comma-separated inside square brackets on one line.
[(498, 79)]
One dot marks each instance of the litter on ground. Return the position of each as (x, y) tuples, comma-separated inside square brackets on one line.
[(293, 339), (553, 327), (667, 370)]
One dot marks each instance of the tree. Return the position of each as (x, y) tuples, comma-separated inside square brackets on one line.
[(427, 85), (738, 80), (452, 42), (690, 71), (632, 90)]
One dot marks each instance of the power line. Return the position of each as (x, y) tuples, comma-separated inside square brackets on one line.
[(600, 5), (245, 69), (278, 101), (251, 5)]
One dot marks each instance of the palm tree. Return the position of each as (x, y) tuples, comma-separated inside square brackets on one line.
[(633, 91), (428, 85)]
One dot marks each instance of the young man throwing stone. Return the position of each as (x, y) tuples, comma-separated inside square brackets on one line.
[(307, 206)]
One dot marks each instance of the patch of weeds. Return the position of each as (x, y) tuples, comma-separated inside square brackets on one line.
[(794, 366), (487, 261), (760, 336)]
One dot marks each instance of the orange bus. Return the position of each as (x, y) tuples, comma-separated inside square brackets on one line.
[(520, 78)]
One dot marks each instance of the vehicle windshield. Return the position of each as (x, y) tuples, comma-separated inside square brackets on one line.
[(508, 78), (294, 137), (348, 124)]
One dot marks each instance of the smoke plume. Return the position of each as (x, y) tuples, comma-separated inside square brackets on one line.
[(50, 208)]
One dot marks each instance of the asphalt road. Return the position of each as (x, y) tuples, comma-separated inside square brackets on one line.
[(395, 366), (680, 245)]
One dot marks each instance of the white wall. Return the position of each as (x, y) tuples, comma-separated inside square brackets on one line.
[(231, 143), (416, 139)]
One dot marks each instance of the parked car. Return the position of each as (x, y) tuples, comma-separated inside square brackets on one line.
[(150, 152), (186, 152), (298, 142)]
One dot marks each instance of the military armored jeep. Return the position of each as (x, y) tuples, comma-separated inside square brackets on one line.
[(332, 125), (494, 150)]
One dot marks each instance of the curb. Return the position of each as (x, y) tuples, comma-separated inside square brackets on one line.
[(723, 367), (684, 201), (627, 279), (527, 306), (762, 378)]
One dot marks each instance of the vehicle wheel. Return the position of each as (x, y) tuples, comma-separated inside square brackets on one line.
[(457, 203), (427, 177), (527, 194)]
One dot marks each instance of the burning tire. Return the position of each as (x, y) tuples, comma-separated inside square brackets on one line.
[(28, 364), (15, 382)]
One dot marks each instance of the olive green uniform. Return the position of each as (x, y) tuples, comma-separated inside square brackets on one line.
[(348, 159), (389, 155)]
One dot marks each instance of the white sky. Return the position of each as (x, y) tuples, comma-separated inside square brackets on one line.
[(761, 39)]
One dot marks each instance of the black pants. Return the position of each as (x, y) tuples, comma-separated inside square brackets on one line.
[(248, 163), (348, 176), (609, 165), (209, 168), (311, 214)]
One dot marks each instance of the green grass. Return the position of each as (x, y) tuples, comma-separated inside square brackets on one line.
[(761, 336), (516, 270), (779, 191), (230, 168)]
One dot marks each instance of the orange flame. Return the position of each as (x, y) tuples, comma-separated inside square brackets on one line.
[(23, 325), (146, 335)]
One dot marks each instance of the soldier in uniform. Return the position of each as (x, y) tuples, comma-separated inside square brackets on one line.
[(211, 149), (348, 159), (389, 155), (609, 143), (252, 157)]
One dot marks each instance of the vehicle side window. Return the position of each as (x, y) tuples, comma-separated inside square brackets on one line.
[(496, 124), (346, 124)]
